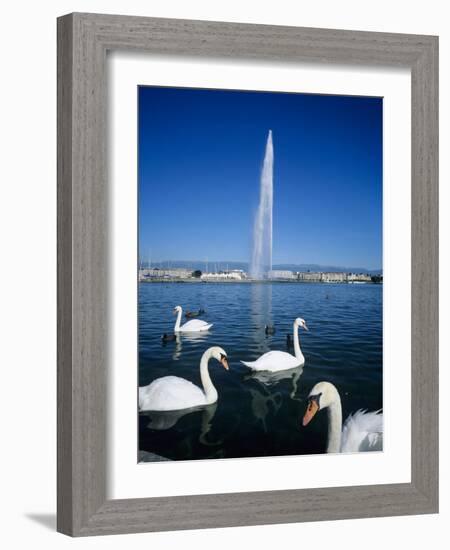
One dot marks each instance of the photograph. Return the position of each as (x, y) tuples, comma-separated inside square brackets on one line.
[(231, 217), (260, 274)]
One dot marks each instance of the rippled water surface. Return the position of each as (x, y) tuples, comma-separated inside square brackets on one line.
[(259, 414)]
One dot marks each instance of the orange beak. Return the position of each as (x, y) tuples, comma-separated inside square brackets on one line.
[(313, 407), (225, 363)]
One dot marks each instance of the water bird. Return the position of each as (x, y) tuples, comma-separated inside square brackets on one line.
[(171, 393), (191, 314), (275, 361), (195, 325), (362, 431), (168, 337), (269, 329)]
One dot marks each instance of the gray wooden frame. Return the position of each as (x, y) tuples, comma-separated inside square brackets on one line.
[(83, 40)]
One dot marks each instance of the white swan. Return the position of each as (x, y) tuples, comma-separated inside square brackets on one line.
[(275, 361), (362, 431), (195, 325), (172, 393)]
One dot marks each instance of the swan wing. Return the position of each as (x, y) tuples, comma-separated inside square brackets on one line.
[(273, 361), (170, 393), (195, 325), (362, 431)]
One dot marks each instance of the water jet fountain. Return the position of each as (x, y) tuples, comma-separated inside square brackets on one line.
[(261, 261)]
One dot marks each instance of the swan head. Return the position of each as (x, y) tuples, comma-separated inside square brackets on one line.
[(299, 322), (322, 395), (176, 309), (221, 356)]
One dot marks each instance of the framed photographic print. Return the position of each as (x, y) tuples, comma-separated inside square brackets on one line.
[(237, 295)]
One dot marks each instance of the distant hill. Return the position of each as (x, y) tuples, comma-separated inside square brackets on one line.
[(225, 265)]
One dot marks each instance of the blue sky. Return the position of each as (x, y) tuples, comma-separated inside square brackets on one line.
[(200, 159)]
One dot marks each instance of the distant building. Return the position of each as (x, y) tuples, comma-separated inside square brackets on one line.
[(181, 273), (359, 278), (173, 273), (309, 276), (331, 277), (280, 274), (234, 275)]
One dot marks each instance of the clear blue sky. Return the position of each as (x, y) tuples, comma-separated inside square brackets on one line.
[(200, 159)]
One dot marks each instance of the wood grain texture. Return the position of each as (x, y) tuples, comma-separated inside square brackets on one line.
[(64, 296), (425, 272), (83, 40)]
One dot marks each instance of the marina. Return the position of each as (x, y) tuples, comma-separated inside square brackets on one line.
[(182, 275)]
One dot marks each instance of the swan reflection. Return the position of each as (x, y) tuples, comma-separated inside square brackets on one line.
[(179, 338), (207, 418), (263, 402), (176, 342), (159, 421), (194, 337), (164, 420), (268, 378)]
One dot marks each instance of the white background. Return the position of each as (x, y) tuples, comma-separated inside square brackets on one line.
[(28, 274)]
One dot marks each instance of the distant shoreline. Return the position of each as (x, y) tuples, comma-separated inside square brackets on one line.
[(254, 281)]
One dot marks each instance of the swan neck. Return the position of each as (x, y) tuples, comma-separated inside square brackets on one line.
[(178, 321), (208, 387), (334, 425), (297, 350)]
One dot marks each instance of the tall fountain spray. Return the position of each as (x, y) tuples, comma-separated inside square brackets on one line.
[(261, 261)]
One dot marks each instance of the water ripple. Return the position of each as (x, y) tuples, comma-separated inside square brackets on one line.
[(259, 415)]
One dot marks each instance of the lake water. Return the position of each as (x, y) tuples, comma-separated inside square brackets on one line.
[(256, 414)]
